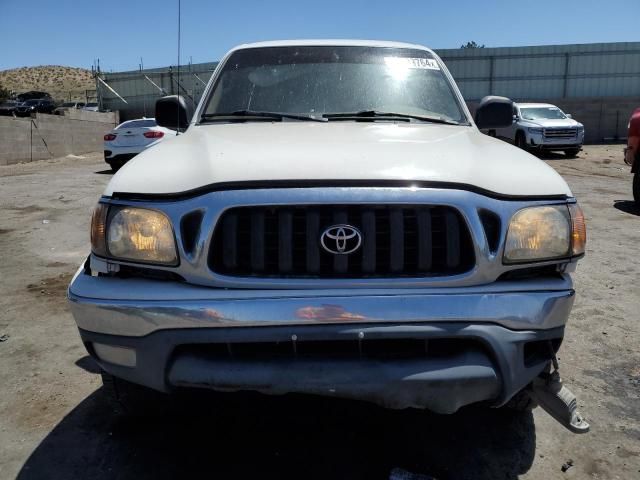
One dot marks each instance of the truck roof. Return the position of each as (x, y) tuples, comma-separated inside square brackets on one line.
[(536, 105), (332, 42)]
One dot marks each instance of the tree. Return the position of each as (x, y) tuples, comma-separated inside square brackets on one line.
[(471, 44), (4, 93)]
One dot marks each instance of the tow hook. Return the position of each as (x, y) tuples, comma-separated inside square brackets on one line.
[(557, 400)]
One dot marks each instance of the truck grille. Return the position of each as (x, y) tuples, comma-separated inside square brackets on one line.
[(563, 133), (397, 241)]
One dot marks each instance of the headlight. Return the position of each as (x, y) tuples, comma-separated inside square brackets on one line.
[(535, 130), (135, 234), (545, 233), (138, 234)]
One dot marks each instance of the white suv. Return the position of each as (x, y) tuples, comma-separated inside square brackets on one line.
[(542, 126)]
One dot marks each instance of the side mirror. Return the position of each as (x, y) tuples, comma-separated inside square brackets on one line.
[(172, 112), (568, 115), (494, 112)]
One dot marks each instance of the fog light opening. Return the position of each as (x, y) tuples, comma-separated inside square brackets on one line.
[(123, 356), (540, 351)]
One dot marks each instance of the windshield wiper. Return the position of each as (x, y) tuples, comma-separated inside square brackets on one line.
[(373, 115), (243, 115)]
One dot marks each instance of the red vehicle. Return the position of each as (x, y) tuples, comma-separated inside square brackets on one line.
[(632, 152)]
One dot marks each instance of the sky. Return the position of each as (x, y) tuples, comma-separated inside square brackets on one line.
[(77, 32)]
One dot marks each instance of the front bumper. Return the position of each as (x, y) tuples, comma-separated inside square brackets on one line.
[(539, 141), (319, 341), (126, 150), (564, 146)]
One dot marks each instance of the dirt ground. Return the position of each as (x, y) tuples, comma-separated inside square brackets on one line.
[(55, 423)]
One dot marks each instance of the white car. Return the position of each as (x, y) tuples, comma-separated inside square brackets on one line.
[(132, 137), (542, 126)]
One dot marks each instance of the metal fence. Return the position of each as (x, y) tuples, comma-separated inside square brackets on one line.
[(599, 81), (134, 93), (546, 72)]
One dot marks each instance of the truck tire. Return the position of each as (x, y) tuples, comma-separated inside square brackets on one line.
[(521, 141), (130, 399), (636, 188), (521, 401), (572, 152)]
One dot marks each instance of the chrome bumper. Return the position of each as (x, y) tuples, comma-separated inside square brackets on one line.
[(138, 307), (160, 334)]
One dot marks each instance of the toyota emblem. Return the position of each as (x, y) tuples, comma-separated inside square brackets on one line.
[(341, 239)]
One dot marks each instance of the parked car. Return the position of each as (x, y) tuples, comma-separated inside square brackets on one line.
[(333, 222), (91, 107), (41, 105), (542, 126), (130, 138), (33, 95), (632, 152), (8, 107), (68, 106)]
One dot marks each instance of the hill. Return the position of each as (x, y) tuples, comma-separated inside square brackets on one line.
[(63, 83)]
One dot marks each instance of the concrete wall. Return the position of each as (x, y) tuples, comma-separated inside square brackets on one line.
[(104, 117), (48, 136), (605, 119)]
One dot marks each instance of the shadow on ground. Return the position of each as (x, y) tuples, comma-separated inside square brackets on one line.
[(88, 364), (253, 436), (548, 155), (105, 172), (627, 206)]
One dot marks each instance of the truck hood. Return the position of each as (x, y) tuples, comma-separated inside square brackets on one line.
[(554, 122), (256, 152)]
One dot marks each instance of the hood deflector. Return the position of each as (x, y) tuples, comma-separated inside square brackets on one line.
[(270, 184)]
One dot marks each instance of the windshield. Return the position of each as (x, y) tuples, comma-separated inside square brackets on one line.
[(320, 80), (32, 102), (138, 124), (538, 113)]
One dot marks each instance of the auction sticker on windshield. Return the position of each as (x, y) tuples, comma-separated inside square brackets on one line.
[(421, 63)]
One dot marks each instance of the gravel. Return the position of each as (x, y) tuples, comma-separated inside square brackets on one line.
[(55, 422)]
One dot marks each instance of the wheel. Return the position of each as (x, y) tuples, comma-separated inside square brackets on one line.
[(572, 152), (115, 166), (134, 400), (491, 133), (636, 188), (521, 141), (521, 401)]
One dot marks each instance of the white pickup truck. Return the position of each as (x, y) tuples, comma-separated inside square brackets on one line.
[(542, 126), (336, 225)]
